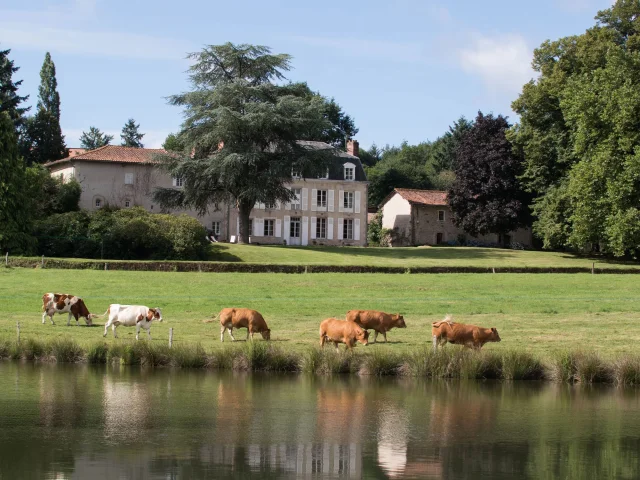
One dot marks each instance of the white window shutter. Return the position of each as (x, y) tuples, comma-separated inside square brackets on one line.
[(305, 230), (314, 199), (330, 229), (285, 234), (258, 226), (238, 226), (313, 228), (330, 193), (340, 228), (305, 199), (278, 204), (356, 229), (174, 180), (357, 202), (287, 205), (278, 228), (341, 201)]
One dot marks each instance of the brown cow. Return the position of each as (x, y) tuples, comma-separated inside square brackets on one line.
[(53, 303), (470, 336), (340, 331), (253, 321), (379, 321)]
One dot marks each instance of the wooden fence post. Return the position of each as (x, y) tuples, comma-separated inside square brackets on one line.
[(42, 262), (18, 329), (493, 269), (105, 266), (6, 259), (435, 343), (593, 268), (170, 337)]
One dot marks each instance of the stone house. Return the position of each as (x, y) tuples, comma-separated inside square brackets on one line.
[(423, 217), (325, 211)]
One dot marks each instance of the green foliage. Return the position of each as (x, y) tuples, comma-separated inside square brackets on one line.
[(43, 140), (49, 195), (9, 99), (94, 138), (15, 218), (236, 102), (445, 148), (131, 233), (173, 144), (486, 196), (579, 135), (131, 136)]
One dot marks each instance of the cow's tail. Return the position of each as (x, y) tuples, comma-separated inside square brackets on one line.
[(211, 320), (447, 319), (93, 315)]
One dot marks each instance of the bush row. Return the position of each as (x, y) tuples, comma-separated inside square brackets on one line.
[(568, 367), (130, 234), (239, 267)]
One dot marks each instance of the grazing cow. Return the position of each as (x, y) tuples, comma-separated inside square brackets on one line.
[(379, 321), (129, 316), (470, 336), (53, 303), (341, 331), (253, 321)]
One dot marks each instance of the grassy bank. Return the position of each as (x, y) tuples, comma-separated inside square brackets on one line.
[(252, 258), (537, 314), (568, 367)]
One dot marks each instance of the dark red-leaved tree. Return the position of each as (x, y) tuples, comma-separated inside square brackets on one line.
[(486, 196)]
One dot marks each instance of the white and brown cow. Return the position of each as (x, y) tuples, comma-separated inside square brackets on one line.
[(53, 303), (130, 316)]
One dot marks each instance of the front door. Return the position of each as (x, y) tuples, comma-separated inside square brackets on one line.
[(294, 231), (439, 238)]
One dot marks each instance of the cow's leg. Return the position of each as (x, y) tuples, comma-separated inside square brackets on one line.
[(336, 345), (322, 340), (113, 329), (137, 331), (106, 328), (44, 315), (149, 333), (230, 330), (69, 320), (384, 334), (222, 329), (77, 318), (375, 336)]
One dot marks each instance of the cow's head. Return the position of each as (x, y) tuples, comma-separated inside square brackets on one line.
[(154, 314), (89, 319), (398, 321), (362, 336), (494, 335), (266, 334)]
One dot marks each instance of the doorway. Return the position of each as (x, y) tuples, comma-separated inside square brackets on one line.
[(294, 231)]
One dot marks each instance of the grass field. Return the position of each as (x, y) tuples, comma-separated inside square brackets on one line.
[(540, 314), (406, 257)]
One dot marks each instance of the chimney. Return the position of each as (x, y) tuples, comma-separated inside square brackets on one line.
[(353, 148)]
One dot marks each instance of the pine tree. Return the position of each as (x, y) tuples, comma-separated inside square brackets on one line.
[(44, 141), (9, 98), (94, 138), (130, 135), (15, 218)]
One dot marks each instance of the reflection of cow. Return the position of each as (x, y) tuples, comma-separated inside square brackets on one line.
[(380, 322), (340, 331), (53, 303), (470, 336)]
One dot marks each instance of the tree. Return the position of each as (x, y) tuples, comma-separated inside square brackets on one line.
[(241, 132), (94, 138), (43, 140), (486, 196), (15, 217), (130, 135), (579, 134), (443, 152), (9, 99), (172, 144)]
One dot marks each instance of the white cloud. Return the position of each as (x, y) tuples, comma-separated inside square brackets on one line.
[(503, 62)]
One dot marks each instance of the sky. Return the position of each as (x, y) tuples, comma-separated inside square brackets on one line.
[(403, 69)]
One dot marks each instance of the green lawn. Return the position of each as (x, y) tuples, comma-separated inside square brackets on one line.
[(405, 257), (535, 312)]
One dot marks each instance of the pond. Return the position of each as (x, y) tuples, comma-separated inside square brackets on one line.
[(69, 421)]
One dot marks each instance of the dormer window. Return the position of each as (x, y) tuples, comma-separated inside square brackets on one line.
[(295, 173), (325, 176), (349, 172), (178, 182)]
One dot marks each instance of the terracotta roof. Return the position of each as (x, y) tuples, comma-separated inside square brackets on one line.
[(114, 153), (420, 197)]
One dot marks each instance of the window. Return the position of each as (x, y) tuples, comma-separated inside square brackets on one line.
[(295, 202), (321, 198), (321, 228), (325, 176), (349, 172), (348, 200), (128, 178), (294, 227), (347, 229), (215, 226), (270, 206), (178, 182), (295, 173), (98, 203), (268, 227), (441, 215), (127, 203)]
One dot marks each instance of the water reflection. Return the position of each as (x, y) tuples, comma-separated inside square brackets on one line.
[(83, 422)]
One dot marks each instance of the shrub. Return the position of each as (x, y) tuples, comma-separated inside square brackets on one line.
[(626, 371), (521, 366), (580, 367), (381, 363), (97, 353), (64, 350)]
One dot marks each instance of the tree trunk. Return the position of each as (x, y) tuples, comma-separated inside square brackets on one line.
[(244, 211)]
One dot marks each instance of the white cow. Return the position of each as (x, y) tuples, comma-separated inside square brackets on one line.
[(131, 315)]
